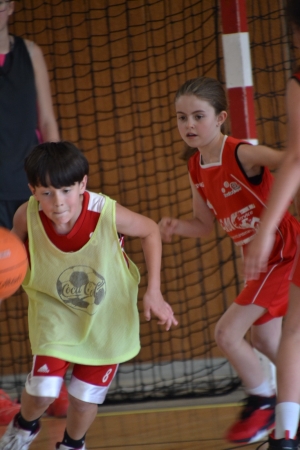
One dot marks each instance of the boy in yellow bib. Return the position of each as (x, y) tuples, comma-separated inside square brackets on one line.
[(82, 291)]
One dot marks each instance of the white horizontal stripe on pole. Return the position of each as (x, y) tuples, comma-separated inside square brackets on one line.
[(237, 60)]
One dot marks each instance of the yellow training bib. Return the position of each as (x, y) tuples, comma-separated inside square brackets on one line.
[(82, 305)]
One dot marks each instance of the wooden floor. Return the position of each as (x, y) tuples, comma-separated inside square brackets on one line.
[(171, 428)]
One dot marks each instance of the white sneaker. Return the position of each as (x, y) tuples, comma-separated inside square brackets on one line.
[(60, 446), (15, 438)]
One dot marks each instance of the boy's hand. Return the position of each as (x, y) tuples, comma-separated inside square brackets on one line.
[(155, 304), (167, 227)]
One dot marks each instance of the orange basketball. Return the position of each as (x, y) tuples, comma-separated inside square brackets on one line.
[(13, 263)]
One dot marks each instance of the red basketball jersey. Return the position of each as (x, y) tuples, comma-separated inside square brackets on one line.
[(236, 201)]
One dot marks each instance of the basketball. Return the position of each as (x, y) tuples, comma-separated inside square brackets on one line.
[(13, 263)]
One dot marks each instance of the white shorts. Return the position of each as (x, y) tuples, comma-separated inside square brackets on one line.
[(88, 383)]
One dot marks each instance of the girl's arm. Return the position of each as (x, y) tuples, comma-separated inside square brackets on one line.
[(132, 224), (254, 157), (200, 225), (47, 124), (284, 189)]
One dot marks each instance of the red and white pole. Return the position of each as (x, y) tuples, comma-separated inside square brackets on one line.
[(238, 69)]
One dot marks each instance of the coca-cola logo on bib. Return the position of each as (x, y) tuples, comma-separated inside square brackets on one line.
[(80, 287)]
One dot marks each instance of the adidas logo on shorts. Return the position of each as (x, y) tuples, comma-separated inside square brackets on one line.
[(44, 369)]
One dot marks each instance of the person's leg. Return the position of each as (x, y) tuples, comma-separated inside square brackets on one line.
[(287, 362), (87, 389), (266, 338), (80, 417), (42, 386), (25, 427), (60, 405), (230, 337), (33, 407), (267, 348), (257, 416), (288, 370)]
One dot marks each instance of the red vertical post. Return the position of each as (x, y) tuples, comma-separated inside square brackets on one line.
[(238, 69)]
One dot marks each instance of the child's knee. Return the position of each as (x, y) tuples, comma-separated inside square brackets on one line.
[(39, 402), (80, 405), (223, 337)]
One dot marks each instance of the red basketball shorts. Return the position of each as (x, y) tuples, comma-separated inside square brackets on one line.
[(295, 274), (271, 290), (88, 383)]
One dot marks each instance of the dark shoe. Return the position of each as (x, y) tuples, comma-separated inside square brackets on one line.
[(61, 446), (281, 444), (256, 420)]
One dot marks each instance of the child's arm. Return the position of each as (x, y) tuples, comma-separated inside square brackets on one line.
[(200, 225), (20, 222), (136, 225), (284, 189), (47, 124), (254, 157)]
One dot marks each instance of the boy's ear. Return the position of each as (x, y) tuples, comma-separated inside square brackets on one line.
[(82, 184), (32, 189)]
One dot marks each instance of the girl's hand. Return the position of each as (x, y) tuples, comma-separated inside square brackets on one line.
[(257, 255), (167, 227), (154, 303)]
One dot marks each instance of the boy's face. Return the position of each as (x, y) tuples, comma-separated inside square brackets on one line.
[(62, 206)]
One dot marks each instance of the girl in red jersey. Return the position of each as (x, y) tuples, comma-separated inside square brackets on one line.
[(285, 187), (230, 180)]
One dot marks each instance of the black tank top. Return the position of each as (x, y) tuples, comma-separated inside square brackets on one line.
[(18, 120)]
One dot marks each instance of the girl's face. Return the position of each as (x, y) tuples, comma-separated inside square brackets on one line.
[(197, 121)]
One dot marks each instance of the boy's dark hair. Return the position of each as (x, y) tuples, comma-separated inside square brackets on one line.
[(56, 164)]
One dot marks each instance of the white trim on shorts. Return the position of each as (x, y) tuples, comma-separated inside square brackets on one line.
[(87, 392), (38, 386)]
